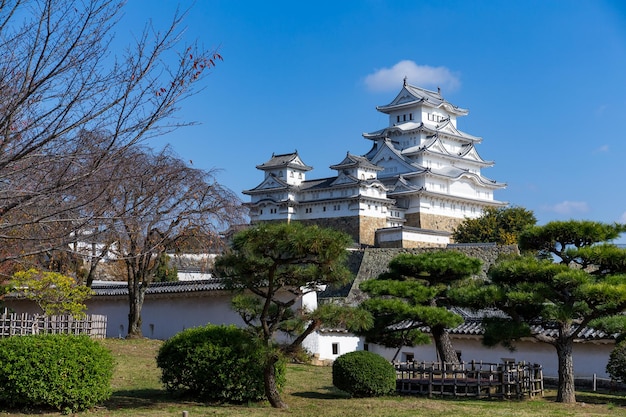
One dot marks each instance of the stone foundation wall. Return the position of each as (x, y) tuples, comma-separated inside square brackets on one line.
[(437, 222), (368, 227), (361, 229), (349, 225)]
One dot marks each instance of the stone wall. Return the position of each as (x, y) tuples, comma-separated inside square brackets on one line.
[(362, 229), (349, 225), (376, 260), (368, 227), (437, 222)]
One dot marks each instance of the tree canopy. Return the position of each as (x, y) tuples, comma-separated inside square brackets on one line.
[(53, 292), (72, 105), (272, 266), (539, 294), (413, 295), (500, 225)]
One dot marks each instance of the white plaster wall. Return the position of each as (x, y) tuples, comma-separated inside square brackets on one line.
[(323, 342), (162, 318), (589, 358)]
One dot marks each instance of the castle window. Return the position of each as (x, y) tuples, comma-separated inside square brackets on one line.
[(324, 208), (398, 119), (300, 175), (291, 174), (335, 347), (410, 116), (404, 117), (280, 173)]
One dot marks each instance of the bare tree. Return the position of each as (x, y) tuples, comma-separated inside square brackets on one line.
[(70, 106), (161, 201)]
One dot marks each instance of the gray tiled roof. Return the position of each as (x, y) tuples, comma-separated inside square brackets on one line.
[(179, 287), (473, 326)]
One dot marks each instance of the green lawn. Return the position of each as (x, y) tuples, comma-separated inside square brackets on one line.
[(309, 393)]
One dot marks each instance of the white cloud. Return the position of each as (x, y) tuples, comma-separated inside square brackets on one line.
[(603, 148), (390, 79), (569, 207), (622, 218)]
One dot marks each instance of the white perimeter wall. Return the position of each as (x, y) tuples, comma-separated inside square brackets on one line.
[(164, 317), (589, 358)]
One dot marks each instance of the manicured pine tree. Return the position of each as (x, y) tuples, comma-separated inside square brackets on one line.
[(413, 295), (576, 279), (272, 266)]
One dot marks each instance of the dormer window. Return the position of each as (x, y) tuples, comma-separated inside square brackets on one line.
[(280, 173)]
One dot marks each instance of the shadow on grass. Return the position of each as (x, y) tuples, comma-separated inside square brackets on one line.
[(143, 398), (330, 393), (601, 397)]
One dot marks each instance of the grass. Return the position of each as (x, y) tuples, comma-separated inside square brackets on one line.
[(309, 393)]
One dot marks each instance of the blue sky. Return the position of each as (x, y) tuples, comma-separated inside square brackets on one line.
[(544, 81)]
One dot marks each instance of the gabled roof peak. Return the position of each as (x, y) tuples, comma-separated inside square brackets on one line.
[(411, 95), (291, 160)]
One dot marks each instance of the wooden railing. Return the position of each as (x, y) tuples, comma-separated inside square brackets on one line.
[(12, 324), (471, 379)]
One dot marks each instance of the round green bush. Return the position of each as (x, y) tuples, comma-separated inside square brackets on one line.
[(215, 363), (65, 372), (616, 367), (364, 374)]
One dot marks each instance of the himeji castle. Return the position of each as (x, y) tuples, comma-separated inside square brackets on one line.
[(420, 179)]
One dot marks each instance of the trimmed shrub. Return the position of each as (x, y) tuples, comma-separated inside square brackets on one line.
[(364, 374), (215, 363), (617, 362), (64, 372)]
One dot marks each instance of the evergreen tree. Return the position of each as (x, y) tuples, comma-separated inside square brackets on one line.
[(413, 295), (272, 266), (585, 287)]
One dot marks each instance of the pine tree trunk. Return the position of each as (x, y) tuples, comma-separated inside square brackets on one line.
[(443, 344), (269, 377), (566, 391)]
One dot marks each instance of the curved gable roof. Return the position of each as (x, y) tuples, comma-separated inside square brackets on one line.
[(291, 160), (411, 95)]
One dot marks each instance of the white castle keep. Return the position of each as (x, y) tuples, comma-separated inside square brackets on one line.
[(420, 179)]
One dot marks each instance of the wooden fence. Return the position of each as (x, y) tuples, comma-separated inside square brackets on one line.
[(12, 324), (471, 379)]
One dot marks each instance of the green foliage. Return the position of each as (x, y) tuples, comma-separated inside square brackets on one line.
[(216, 363), (414, 294), (278, 264), (364, 374), (53, 292), (500, 225), (586, 288), (165, 272), (64, 372), (616, 367), (559, 237)]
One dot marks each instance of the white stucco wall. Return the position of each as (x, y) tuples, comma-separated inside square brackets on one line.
[(164, 317), (589, 358)]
